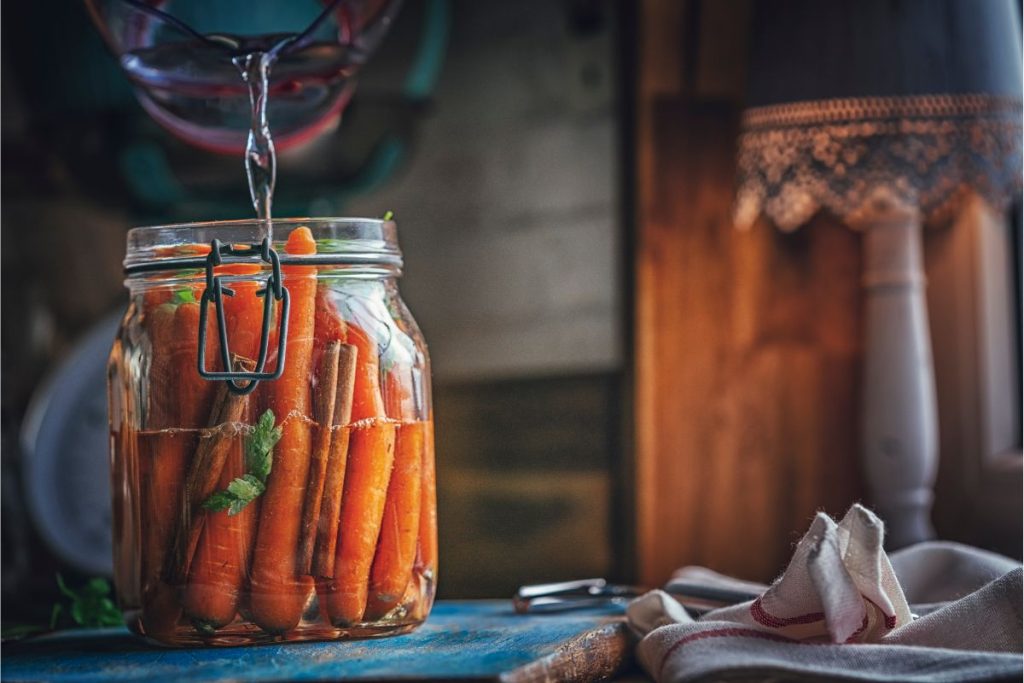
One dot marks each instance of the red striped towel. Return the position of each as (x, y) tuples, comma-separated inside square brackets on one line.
[(840, 611)]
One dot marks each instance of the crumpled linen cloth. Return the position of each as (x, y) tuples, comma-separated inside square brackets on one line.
[(844, 610)]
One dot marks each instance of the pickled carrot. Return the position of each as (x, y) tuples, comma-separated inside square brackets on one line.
[(278, 593), (396, 550), (221, 561), (158, 511), (162, 406), (428, 514), (195, 394), (368, 472), (156, 297), (367, 400), (171, 451), (329, 325), (195, 249), (218, 569), (330, 451), (370, 459)]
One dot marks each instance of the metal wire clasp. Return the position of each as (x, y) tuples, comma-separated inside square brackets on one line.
[(215, 291)]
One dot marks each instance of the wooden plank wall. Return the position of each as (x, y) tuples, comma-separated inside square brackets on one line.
[(747, 344), (524, 479)]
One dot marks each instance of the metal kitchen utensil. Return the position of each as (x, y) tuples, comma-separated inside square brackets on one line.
[(570, 595)]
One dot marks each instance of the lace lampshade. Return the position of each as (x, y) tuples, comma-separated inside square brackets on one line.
[(884, 113), (919, 99)]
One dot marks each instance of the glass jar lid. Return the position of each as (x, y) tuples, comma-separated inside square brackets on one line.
[(369, 243)]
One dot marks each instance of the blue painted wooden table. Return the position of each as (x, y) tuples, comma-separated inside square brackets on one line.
[(467, 640)]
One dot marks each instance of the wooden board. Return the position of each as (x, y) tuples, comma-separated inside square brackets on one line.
[(747, 344), (468, 640)]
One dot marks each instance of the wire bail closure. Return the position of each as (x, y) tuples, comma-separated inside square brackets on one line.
[(215, 291)]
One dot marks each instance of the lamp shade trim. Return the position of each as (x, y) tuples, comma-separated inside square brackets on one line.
[(927, 151)]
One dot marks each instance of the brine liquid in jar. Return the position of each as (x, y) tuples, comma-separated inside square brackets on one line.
[(299, 507)]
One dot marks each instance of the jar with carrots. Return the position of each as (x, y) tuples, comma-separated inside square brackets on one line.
[(272, 436)]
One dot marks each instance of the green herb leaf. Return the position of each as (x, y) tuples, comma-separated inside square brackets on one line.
[(218, 501), (246, 487), (239, 493), (64, 588), (259, 447), (89, 606), (184, 296), (259, 458)]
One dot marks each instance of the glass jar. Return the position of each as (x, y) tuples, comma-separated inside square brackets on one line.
[(271, 435)]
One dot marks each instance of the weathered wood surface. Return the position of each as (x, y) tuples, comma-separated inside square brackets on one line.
[(468, 640), (747, 344)]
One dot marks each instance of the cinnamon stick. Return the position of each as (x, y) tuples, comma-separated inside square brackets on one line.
[(330, 507), (323, 412), (204, 473)]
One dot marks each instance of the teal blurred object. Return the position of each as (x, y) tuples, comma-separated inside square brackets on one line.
[(466, 640), (180, 55), (164, 180), (83, 108)]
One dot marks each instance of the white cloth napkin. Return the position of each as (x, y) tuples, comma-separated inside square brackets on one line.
[(840, 611)]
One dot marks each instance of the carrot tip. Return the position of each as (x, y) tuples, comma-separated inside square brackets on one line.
[(300, 241)]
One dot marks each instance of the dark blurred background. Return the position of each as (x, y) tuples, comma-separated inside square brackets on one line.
[(491, 129)]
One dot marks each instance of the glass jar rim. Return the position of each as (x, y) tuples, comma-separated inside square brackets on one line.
[(367, 242)]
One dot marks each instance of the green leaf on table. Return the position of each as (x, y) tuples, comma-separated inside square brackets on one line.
[(64, 588), (90, 606)]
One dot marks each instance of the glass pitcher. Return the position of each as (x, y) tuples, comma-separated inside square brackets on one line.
[(178, 54)]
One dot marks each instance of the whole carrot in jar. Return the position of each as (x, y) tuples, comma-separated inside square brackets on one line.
[(278, 591), (220, 565), (170, 448), (393, 564), (160, 462), (368, 473)]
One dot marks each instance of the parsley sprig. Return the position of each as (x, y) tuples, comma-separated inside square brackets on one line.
[(90, 605), (184, 296), (259, 458)]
